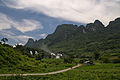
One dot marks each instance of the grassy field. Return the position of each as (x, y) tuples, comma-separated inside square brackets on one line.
[(95, 72), (33, 66)]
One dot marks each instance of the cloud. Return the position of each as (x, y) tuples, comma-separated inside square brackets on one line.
[(24, 25), (15, 30), (43, 35), (27, 25), (23, 38), (4, 22), (15, 38), (73, 10)]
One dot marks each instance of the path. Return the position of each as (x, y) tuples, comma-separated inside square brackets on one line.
[(39, 74)]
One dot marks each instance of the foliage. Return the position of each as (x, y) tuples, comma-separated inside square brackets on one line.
[(13, 61), (68, 60)]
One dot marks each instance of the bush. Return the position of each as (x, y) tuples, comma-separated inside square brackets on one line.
[(82, 61), (68, 60), (111, 59), (105, 59), (117, 60)]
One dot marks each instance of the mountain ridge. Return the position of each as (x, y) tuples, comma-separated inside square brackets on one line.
[(72, 38)]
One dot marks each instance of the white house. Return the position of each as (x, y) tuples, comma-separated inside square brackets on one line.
[(31, 53), (20, 44), (14, 46), (36, 53), (57, 56), (53, 54)]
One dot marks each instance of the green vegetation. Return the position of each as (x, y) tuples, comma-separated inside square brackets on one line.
[(95, 72), (94, 42), (13, 61)]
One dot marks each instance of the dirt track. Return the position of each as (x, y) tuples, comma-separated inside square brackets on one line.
[(37, 74)]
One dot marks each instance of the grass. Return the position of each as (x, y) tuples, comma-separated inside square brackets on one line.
[(33, 66), (95, 72)]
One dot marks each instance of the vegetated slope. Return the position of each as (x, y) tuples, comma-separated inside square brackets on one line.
[(9, 57), (14, 60), (84, 40)]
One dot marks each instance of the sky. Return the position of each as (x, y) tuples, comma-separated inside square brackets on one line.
[(23, 19)]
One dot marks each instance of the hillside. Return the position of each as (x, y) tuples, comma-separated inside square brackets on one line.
[(81, 41), (10, 57), (14, 60)]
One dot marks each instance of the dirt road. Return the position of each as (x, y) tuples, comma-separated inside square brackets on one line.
[(37, 74)]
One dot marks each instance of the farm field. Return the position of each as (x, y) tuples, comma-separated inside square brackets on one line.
[(95, 72)]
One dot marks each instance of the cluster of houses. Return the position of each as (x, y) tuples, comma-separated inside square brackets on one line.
[(53, 55), (33, 53), (56, 56), (19, 44)]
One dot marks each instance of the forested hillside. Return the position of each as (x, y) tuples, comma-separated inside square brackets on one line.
[(84, 41)]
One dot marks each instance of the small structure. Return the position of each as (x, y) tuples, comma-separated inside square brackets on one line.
[(53, 54), (57, 56), (31, 53), (14, 46), (19, 44), (36, 53), (88, 63)]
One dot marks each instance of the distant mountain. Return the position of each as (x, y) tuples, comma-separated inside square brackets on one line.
[(97, 25), (30, 42), (114, 25), (81, 39)]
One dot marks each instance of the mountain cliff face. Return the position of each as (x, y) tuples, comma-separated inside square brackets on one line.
[(115, 25), (30, 42), (97, 25), (72, 38)]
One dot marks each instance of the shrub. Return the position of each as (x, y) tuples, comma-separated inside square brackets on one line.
[(68, 60)]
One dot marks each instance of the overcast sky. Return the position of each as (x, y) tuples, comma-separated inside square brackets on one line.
[(23, 19)]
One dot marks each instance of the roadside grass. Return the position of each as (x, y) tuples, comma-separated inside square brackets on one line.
[(33, 66), (95, 72)]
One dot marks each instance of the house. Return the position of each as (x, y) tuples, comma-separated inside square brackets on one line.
[(53, 54), (57, 56), (31, 53), (19, 44), (36, 53)]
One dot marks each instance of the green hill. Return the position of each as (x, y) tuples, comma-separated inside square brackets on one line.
[(9, 57), (84, 41), (14, 60)]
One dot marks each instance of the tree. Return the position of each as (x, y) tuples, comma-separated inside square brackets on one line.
[(96, 55), (4, 40), (68, 60)]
